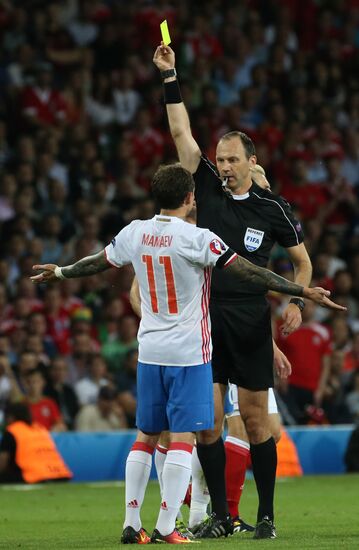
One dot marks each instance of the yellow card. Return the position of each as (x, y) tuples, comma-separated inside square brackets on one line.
[(165, 33)]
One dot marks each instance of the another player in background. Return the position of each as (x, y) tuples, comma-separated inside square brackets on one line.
[(172, 260), (251, 220)]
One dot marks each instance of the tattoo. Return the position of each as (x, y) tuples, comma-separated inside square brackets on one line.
[(249, 272), (90, 265)]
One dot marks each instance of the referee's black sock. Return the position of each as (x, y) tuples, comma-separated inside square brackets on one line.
[(213, 461), (264, 465)]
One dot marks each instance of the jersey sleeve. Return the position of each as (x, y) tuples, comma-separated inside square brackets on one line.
[(287, 229), (119, 251), (209, 250), (206, 179)]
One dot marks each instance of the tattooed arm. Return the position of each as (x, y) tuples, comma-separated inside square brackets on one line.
[(247, 271), (84, 267)]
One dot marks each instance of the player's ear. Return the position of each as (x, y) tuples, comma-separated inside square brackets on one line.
[(189, 198)]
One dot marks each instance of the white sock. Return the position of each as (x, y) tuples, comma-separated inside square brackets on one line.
[(200, 496), (160, 457), (138, 469), (175, 477)]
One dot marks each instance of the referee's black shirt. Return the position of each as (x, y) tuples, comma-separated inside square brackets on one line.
[(250, 226)]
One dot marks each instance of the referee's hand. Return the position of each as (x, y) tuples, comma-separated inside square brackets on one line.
[(164, 57), (320, 296), (292, 318)]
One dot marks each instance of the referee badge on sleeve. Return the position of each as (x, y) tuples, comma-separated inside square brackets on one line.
[(253, 239)]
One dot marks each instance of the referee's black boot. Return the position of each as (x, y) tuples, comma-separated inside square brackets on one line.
[(265, 529), (214, 528)]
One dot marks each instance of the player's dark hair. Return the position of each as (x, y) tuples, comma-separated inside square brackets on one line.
[(170, 186), (18, 412), (247, 143)]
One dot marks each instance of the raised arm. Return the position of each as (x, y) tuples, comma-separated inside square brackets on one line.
[(90, 265), (188, 150), (249, 272)]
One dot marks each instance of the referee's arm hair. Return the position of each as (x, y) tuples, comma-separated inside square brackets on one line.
[(188, 150), (249, 272)]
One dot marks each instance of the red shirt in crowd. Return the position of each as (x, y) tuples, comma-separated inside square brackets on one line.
[(46, 106), (305, 349), (45, 412)]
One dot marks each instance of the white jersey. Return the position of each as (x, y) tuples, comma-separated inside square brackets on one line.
[(173, 261)]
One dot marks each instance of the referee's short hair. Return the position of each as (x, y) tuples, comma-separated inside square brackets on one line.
[(247, 143), (170, 186)]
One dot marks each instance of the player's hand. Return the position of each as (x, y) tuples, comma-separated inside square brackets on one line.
[(321, 297), (292, 318), (47, 275), (281, 363), (164, 58)]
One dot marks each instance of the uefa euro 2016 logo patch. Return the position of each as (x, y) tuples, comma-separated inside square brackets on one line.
[(217, 247), (253, 239)]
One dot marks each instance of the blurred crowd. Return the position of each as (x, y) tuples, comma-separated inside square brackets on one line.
[(82, 130)]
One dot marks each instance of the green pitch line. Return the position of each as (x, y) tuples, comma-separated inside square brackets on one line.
[(312, 512)]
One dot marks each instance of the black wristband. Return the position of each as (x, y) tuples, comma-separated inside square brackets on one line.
[(172, 92), (298, 302)]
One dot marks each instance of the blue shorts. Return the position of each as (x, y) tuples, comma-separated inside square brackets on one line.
[(178, 399)]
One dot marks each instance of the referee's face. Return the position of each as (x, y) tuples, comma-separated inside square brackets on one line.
[(233, 164)]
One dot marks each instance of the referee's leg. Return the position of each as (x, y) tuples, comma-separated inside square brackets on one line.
[(254, 411), (211, 454)]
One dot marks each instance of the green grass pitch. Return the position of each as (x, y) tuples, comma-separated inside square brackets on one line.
[(312, 512)]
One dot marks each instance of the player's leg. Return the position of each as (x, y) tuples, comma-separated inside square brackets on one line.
[(138, 468), (160, 455), (237, 456), (274, 418), (189, 407), (151, 420), (254, 412), (237, 453), (199, 495)]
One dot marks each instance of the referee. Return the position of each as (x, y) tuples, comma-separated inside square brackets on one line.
[(250, 220)]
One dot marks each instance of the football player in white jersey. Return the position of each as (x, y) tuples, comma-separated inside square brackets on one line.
[(172, 260)]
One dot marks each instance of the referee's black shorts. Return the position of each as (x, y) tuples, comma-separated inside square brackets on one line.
[(242, 343)]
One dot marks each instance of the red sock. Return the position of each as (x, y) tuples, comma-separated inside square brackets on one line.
[(237, 452)]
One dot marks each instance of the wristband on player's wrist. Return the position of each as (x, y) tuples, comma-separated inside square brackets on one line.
[(58, 273), (298, 302), (172, 92)]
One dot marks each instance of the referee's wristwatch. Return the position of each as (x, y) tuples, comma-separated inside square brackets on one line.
[(168, 73), (298, 302)]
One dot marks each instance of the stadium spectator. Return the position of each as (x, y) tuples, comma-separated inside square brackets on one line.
[(126, 381), (44, 410), (58, 389), (310, 345), (115, 351), (87, 388), (103, 416)]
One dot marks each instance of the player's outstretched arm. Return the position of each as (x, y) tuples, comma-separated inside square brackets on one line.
[(271, 281), (90, 265), (188, 150)]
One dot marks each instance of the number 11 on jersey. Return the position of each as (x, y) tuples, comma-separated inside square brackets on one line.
[(166, 262)]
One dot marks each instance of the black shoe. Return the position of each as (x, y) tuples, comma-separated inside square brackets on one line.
[(241, 526), (213, 528), (130, 536), (265, 529)]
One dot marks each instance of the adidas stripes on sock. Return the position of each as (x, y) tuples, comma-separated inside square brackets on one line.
[(138, 468), (175, 479)]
